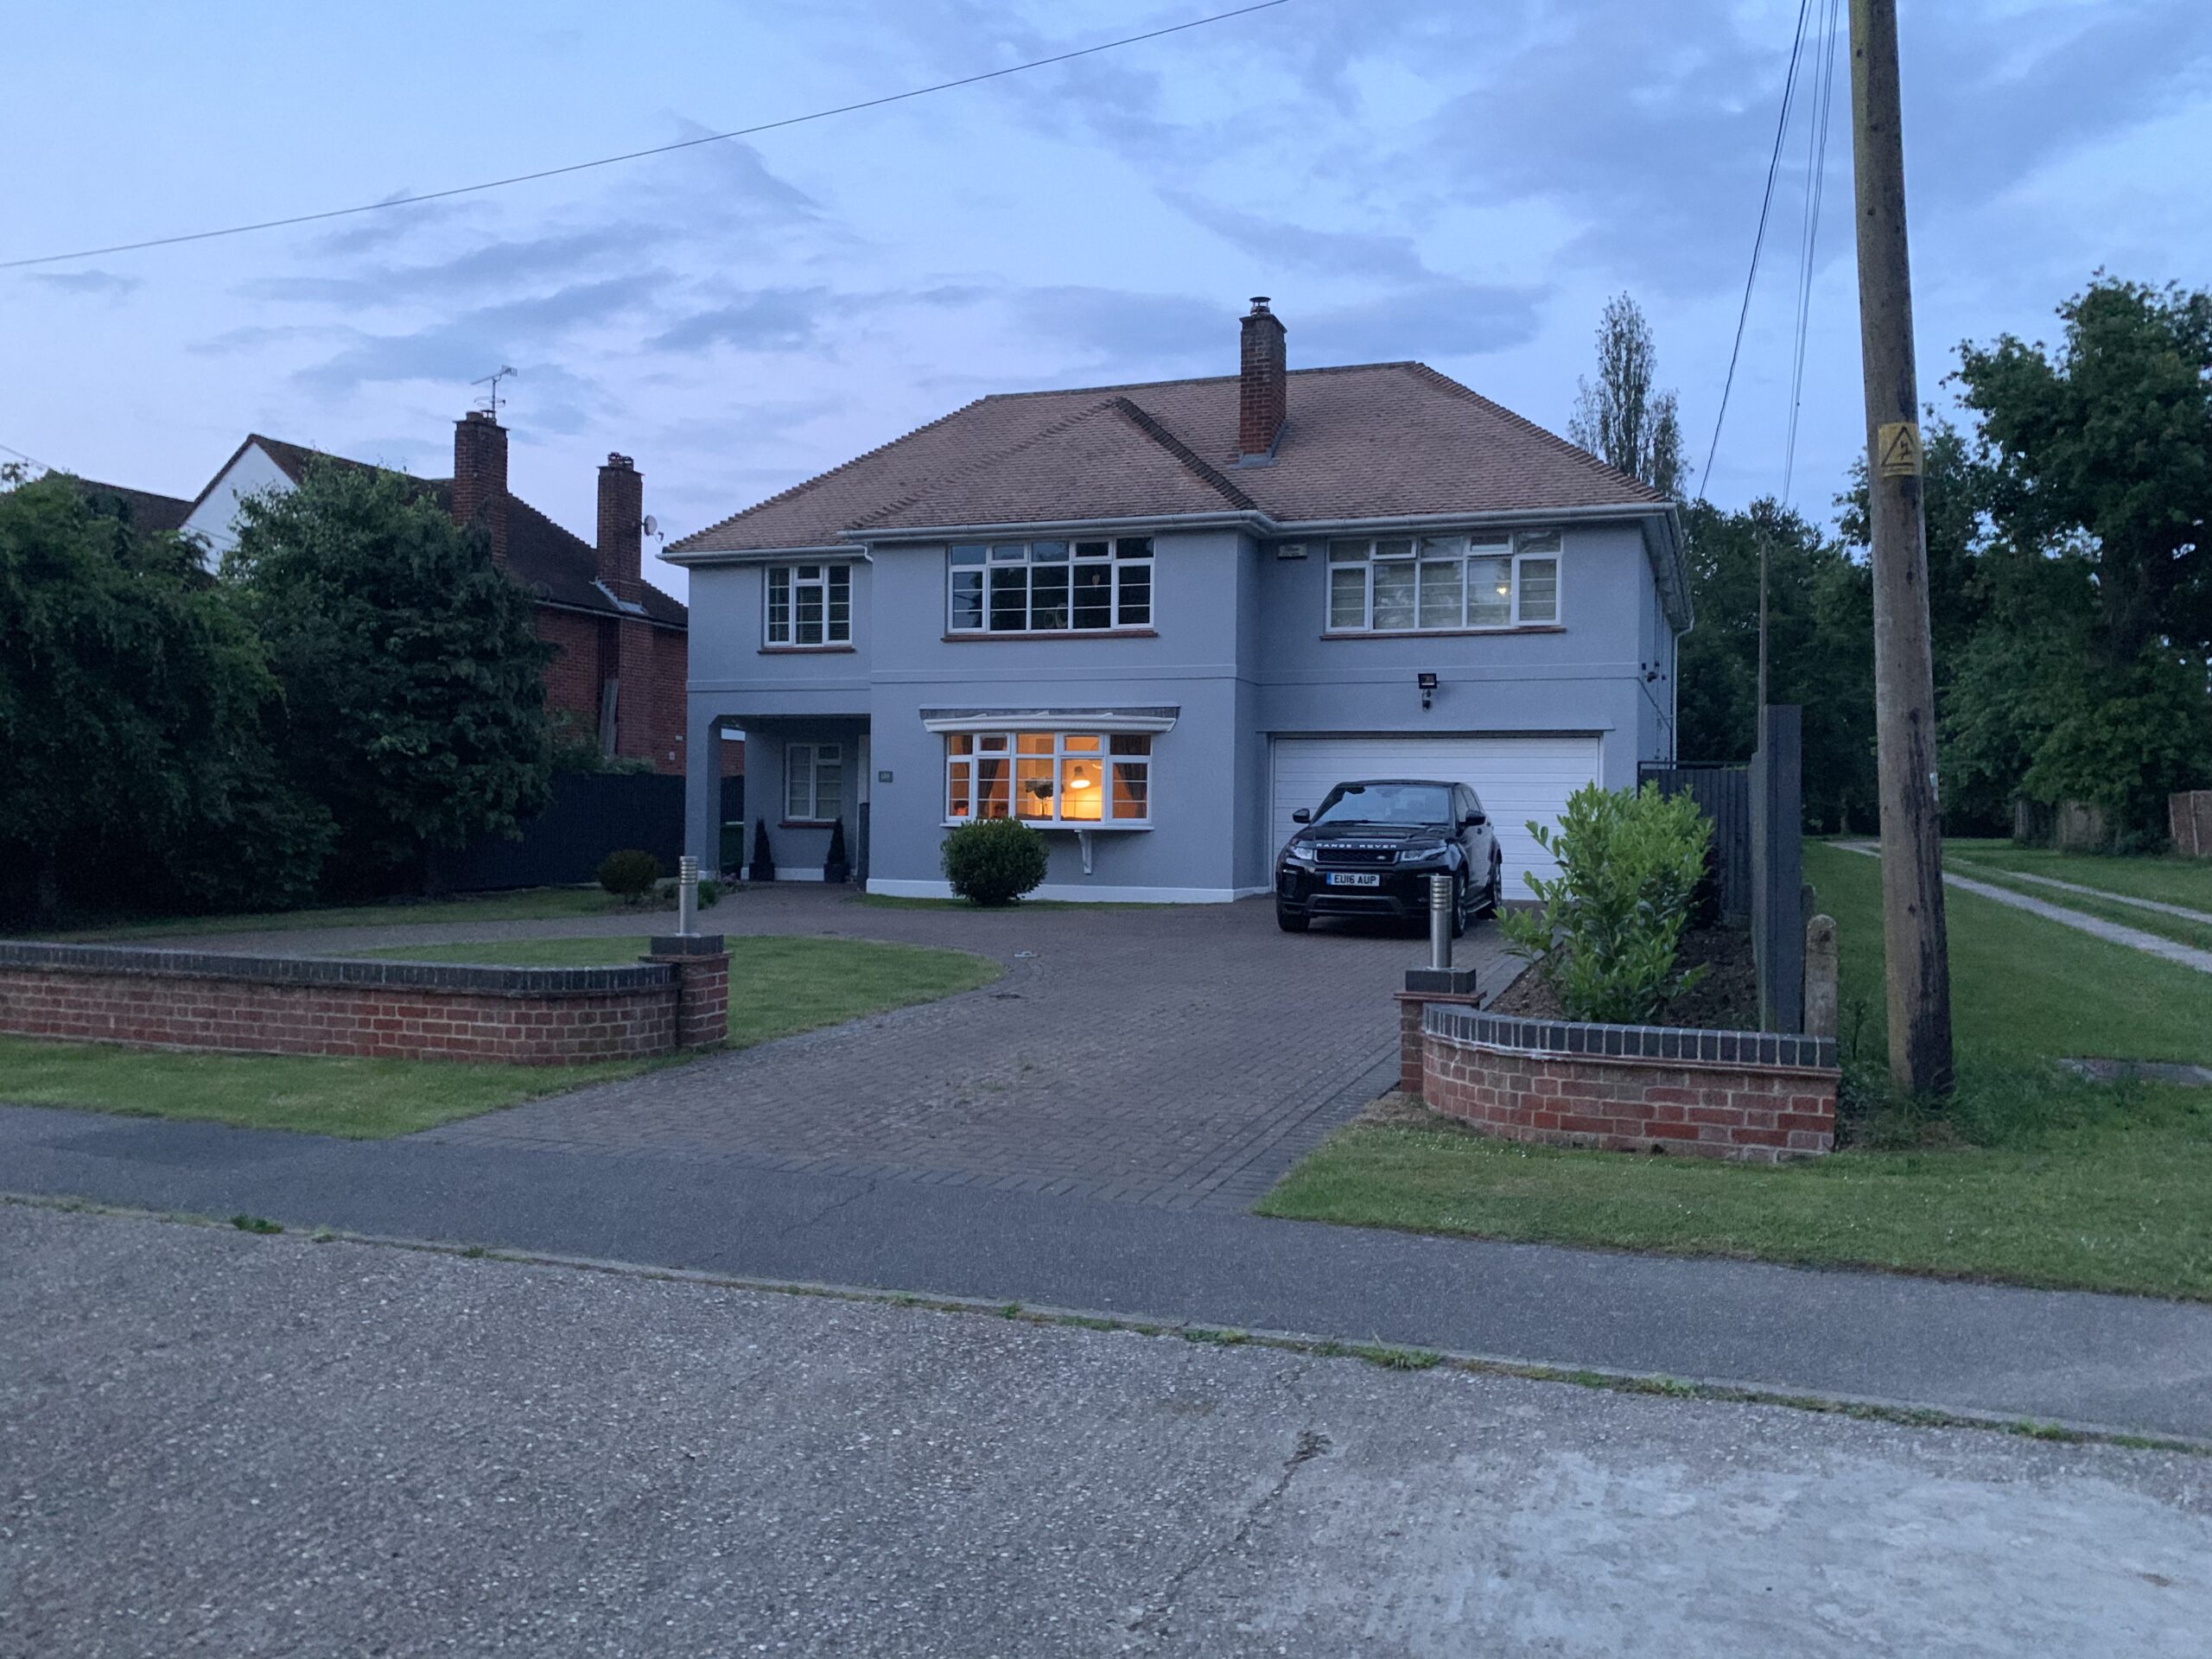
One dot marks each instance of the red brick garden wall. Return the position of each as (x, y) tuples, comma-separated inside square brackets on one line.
[(522, 1016), (1752, 1096)]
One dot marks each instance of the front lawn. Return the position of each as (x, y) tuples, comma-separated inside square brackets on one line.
[(778, 987), (525, 905), (2033, 1177)]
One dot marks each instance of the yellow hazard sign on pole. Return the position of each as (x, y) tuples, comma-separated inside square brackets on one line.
[(1897, 449)]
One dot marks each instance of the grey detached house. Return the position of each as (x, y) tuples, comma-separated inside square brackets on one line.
[(1154, 621)]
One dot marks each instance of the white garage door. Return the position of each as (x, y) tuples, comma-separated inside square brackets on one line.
[(1517, 778)]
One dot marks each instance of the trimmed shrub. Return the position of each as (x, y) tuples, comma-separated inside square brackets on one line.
[(764, 858), (1611, 922), (629, 874), (837, 866), (993, 860)]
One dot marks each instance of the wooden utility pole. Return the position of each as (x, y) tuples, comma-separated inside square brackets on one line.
[(1905, 670)]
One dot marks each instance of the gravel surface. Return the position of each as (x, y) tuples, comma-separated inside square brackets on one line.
[(216, 1443)]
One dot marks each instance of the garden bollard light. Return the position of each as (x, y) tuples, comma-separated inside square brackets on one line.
[(1439, 922), (686, 895)]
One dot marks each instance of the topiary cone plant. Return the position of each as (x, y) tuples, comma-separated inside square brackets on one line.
[(836, 867), (763, 868)]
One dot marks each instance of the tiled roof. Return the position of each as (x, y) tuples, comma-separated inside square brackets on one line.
[(558, 567), (1378, 441), (148, 512)]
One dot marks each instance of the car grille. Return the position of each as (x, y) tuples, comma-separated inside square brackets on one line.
[(1354, 855)]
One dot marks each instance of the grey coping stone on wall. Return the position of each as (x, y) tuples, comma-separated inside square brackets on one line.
[(1630, 1042), (1442, 982), (331, 970), (687, 944)]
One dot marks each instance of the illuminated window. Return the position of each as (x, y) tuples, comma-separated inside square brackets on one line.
[(1047, 777), (1049, 586), (1442, 584)]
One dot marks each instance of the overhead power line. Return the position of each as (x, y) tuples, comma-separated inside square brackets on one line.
[(1817, 173), (1758, 242), (638, 155)]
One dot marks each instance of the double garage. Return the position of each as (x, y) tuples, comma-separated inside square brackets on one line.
[(1517, 778)]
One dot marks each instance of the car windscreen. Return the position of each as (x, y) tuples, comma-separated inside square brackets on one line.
[(1386, 804)]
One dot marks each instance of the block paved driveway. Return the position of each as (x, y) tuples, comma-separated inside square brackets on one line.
[(1178, 1056)]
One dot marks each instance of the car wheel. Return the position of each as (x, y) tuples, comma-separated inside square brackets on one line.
[(1494, 895), (1461, 892), (1290, 921)]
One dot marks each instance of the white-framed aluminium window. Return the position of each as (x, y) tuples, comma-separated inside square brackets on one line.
[(809, 605), (1049, 586), (1443, 584), (814, 782), (1087, 779)]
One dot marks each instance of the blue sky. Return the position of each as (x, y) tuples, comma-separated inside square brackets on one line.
[(1464, 183)]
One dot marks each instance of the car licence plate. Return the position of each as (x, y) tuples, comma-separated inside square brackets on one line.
[(1360, 879)]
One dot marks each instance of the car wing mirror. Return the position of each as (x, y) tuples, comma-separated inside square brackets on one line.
[(1304, 815), (1476, 820)]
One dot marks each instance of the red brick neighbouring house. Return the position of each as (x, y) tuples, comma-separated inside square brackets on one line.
[(621, 643)]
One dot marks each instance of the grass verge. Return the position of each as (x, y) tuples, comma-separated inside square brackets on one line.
[(2179, 929), (2168, 880), (778, 987), (2030, 1177)]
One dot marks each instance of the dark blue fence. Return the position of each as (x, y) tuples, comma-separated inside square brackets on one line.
[(591, 815)]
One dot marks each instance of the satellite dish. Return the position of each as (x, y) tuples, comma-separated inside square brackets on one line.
[(652, 525)]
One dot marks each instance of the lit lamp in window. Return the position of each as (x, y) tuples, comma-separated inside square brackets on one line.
[(1080, 796)]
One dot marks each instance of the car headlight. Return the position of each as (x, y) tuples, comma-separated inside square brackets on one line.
[(1425, 858), (1299, 852)]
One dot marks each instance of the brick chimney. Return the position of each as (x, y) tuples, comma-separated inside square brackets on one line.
[(622, 516), (1263, 395), (480, 477)]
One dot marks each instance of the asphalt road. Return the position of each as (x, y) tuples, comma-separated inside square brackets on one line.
[(212, 1442), (2125, 1361)]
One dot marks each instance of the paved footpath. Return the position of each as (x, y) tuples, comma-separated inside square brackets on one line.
[(216, 1444), (2111, 1361)]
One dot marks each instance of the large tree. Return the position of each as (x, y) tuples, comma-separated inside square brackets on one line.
[(414, 701), (136, 768), (1623, 417), (2088, 680)]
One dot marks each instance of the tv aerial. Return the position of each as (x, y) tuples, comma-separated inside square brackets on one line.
[(492, 400)]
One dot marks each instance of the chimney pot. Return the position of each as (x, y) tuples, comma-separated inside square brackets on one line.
[(1263, 392)]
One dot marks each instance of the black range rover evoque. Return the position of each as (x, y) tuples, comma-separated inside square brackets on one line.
[(1369, 849)]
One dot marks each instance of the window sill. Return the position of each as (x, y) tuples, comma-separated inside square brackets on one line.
[(804, 650), (1439, 633), (967, 637), (808, 824)]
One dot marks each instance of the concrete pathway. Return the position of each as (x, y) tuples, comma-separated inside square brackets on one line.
[(213, 1443), (2116, 1361), (2113, 932), (2105, 893)]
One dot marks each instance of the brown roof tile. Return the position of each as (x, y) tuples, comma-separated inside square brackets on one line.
[(1378, 441), (148, 512)]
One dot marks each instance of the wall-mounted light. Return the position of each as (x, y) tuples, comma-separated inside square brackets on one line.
[(1427, 683)]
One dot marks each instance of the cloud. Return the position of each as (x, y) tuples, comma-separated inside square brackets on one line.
[(1436, 319), (93, 284), (775, 319), (1111, 325)]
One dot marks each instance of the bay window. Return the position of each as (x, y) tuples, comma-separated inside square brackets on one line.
[(1442, 584), (809, 605), (1081, 779), (1050, 587)]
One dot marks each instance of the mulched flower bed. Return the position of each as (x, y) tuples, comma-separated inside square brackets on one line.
[(1726, 999)]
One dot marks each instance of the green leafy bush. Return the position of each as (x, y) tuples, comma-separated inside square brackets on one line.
[(629, 874), (1609, 925), (995, 861)]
